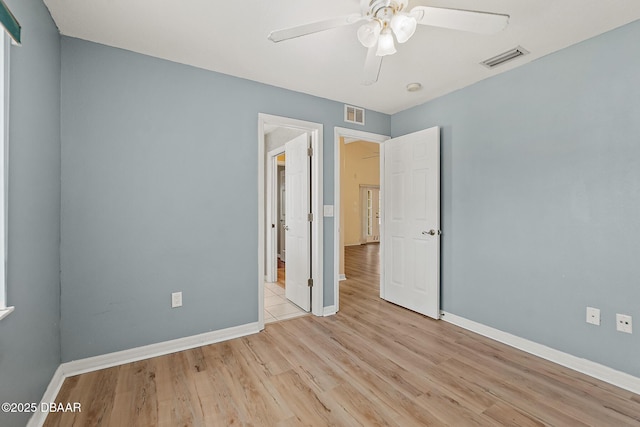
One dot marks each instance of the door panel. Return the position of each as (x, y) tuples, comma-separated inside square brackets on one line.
[(375, 223), (411, 210), (297, 228), (283, 209)]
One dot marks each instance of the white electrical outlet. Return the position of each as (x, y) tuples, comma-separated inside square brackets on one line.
[(623, 323), (176, 299), (593, 316)]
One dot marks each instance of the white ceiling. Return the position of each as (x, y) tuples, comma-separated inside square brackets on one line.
[(231, 37)]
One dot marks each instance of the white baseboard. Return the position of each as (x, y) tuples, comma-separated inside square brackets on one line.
[(109, 360), (50, 394), (593, 369), (342, 277), (329, 311)]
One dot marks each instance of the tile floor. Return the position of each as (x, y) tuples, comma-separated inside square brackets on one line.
[(277, 306)]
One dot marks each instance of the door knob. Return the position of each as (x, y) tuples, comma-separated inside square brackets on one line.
[(432, 232)]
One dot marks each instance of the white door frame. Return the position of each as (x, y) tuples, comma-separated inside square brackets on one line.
[(315, 130), (359, 135), (271, 274)]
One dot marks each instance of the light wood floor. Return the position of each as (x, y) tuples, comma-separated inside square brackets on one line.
[(371, 364)]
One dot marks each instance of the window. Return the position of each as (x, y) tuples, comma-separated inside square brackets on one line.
[(11, 28), (4, 98)]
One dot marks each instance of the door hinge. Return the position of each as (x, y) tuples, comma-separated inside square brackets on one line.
[(310, 151), (310, 217), (310, 283)]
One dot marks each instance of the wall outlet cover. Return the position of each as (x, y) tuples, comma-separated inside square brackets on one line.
[(623, 323), (593, 316), (176, 299)]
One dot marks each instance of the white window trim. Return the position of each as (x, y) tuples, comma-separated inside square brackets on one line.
[(5, 312), (4, 151)]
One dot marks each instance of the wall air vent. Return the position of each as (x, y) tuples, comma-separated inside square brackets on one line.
[(353, 114), (507, 56)]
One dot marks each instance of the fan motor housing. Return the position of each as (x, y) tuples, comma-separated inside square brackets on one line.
[(382, 9)]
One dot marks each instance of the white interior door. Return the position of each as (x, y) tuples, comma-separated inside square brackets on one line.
[(411, 222), (297, 229), (370, 208)]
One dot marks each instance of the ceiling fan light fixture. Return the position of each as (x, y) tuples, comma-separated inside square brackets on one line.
[(403, 26), (368, 33), (385, 43)]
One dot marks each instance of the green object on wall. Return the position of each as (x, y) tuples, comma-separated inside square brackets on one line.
[(9, 22)]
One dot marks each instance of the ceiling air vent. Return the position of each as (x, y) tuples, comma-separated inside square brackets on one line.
[(505, 57), (353, 114)]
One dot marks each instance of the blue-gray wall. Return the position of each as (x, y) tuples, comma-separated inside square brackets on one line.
[(541, 197), (159, 194), (30, 336)]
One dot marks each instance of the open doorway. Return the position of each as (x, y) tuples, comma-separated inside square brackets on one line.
[(357, 187), (285, 295), (276, 304), (409, 255), (290, 225), (359, 193)]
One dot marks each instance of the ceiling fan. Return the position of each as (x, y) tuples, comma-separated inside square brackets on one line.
[(388, 18)]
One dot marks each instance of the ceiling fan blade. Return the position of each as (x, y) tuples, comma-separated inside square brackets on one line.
[(372, 66), (314, 27), (464, 20)]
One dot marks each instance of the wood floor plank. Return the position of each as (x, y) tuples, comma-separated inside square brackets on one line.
[(177, 395), (373, 363), (223, 404), (271, 362), (268, 403), (310, 365), (306, 404), (359, 406), (507, 415), (135, 393)]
